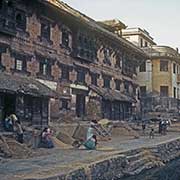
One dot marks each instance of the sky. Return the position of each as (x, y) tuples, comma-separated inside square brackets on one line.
[(161, 18)]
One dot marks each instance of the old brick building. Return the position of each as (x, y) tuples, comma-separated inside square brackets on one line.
[(92, 69)]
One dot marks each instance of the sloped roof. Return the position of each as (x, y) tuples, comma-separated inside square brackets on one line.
[(93, 24), (25, 85), (111, 95)]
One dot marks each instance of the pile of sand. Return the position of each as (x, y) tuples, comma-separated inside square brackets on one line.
[(123, 129), (9, 147), (60, 144), (19, 150)]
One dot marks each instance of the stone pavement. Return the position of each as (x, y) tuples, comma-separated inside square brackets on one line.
[(61, 161)]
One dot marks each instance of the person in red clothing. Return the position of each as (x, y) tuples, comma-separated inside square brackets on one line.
[(46, 139)]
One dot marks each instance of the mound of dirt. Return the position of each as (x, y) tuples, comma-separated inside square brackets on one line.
[(60, 144), (65, 138), (123, 129), (18, 150)]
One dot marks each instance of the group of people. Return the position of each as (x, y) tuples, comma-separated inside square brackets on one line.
[(163, 125), (12, 124), (89, 143)]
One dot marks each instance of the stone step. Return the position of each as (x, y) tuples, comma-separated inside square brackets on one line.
[(133, 152), (136, 164), (147, 165), (132, 158)]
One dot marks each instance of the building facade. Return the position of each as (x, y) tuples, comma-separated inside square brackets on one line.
[(162, 93), (157, 76), (93, 71), (139, 37)]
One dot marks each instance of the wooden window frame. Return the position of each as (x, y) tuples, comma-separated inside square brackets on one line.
[(166, 91), (164, 66)]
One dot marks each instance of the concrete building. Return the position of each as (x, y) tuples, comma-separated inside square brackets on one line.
[(139, 37), (93, 71), (158, 75)]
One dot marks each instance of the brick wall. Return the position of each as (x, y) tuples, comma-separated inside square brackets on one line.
[(29, 42)]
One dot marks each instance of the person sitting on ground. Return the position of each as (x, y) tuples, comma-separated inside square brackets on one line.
[(46, 139), (91, 143), (19, 131), (90, 131), (9, 123), (151, 134)]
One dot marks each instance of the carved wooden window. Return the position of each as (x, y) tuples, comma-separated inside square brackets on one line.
[(19, 65), (163, 65), (126, 87), (107, 57), (81, 76), (65, 38), (94, 79), (164, 90), (118, 63), (117, 83), (142, 67), (45, 68), (86, 47), (21, 20), (107, 81), (45, 30), (65, 73)]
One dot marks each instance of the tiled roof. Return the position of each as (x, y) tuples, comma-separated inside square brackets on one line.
[(112, 95), (25, 85), (93, 24)]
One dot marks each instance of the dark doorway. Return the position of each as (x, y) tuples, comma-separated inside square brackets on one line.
[(80, 105), (9, 104), (107, 109)]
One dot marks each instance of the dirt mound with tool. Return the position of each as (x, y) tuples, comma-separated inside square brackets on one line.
[(10, 148)]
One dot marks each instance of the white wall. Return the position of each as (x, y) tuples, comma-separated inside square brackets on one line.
[(145, 78)]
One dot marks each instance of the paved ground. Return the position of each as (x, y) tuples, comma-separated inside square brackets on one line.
[(60, 161)]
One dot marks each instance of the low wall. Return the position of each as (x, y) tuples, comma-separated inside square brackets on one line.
[(126, 163)]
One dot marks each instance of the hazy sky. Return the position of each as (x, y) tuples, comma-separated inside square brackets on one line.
[(161, 18)]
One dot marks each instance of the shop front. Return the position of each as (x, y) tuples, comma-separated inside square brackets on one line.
[(25, 97)]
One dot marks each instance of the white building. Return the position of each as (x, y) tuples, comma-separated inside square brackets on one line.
[(138, 36)]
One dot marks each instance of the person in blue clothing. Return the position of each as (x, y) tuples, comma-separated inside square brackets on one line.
[(91, 143), (9, 122)]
